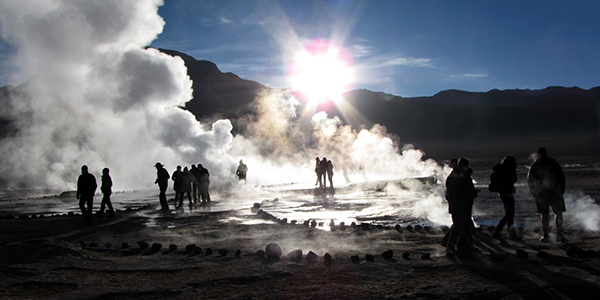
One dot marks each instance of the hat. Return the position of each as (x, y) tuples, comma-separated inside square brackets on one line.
[(158, 165)]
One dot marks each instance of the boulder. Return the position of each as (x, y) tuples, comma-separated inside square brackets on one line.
[(260, 253), (142, 244), (327, 259), (190, 247), (156, 246), (295, 256), (542, 254), (425, 256), (172, 247), (273, 251), (124, 245), (406, 255), (223, 252), (208, 251), (312, 257), (369, 258), (237, 253), (387, 254), (198, 250), (354, 259), (107, 245)]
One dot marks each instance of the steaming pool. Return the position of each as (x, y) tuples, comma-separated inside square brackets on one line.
[(389, 202)]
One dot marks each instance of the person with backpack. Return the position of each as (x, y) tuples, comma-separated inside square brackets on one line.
[(502, 181)]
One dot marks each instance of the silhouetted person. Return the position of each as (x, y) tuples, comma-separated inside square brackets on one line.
[(204, 183), (547, 183), (162, 179), (453, 164), (461, 193), (177, 178), (502, 181), (106, 188), (318, 172), (195, 187), (329, 171), (86, 187), (323, 172), (241, 171), (186, 186)]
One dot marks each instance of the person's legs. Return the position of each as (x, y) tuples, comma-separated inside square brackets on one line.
[(545, 226), (163, 198)]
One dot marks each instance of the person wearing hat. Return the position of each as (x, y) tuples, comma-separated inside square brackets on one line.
[(162, 179), (546, 182)]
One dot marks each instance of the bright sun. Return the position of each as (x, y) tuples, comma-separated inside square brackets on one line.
[(321, 72)]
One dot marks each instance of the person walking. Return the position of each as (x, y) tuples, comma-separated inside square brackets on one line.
[(162, 179), (329, 170), (241, 171), (177, 178), (502, 181), (547, 183), (461, 194), (86, 187), (106, 189)]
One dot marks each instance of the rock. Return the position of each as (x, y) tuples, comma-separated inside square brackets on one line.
[(255, 208), (142, 244), (321, 224), (34, 216), (71, 214), (327, 259), (491, 229), (190, 247), (283, 221), (427, 228), (107, 245), (409, 228), (10, 216), (369, 258), (542, 254), (399, 228), (208, 251), (444, 228), (591, 253), (273, 251), (23, 217), (295, 256), (313, 223), (536, 230), (353, 224), (387, 254), (124, 245), (93, 245), (406, 255), (293, 222), (156, 246), (223, 252), (522, 253), (312, 257), (172, 247), (260, 253), (582, 253), (306, 223), (198, 250), (354, 259), (425, 256), (82, 244), (418, 228), (237, 253)]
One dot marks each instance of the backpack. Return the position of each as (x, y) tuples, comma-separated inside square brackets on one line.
[(494, 185)]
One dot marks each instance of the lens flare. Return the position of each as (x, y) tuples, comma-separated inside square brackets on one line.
[(321, 72)]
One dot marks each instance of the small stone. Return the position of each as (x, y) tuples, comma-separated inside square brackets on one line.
[(223, 252), (406, 255), (142, 244), (82, 244), (418, 228), (306, 223), (353, 224), (313, 223), (172, 247), (327, 259), (427, 228), (23, 217), (237, 253), (409, 228), (273, 251), (124, 245), (198, 250), (311, 257), (208, 251), (369, 258), (536, 230), (190, 247), (354, 259), (522, 253), (542, 254), (283, 221), (321, 224), (156, 246), (295, 256), (499, 256), (425, 256), (293, 222), (107, 245), (399, 228), (260, 253), (93, 245), (387, 254), (572, 252)]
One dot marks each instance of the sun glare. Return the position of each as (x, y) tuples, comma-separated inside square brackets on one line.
[(321, 72)]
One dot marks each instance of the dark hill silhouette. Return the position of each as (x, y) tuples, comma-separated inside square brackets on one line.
[(451, 123), (217, 95)]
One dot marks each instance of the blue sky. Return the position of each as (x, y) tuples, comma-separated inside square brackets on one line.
[(406, 48)]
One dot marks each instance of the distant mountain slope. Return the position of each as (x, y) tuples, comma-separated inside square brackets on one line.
[(216, 94), (451, 123)]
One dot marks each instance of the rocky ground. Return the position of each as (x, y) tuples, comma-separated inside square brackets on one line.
[(133, 256)]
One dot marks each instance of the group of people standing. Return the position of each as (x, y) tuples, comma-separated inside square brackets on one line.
[(546, 182), (324, 167), (194, 182), (86, 188)]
